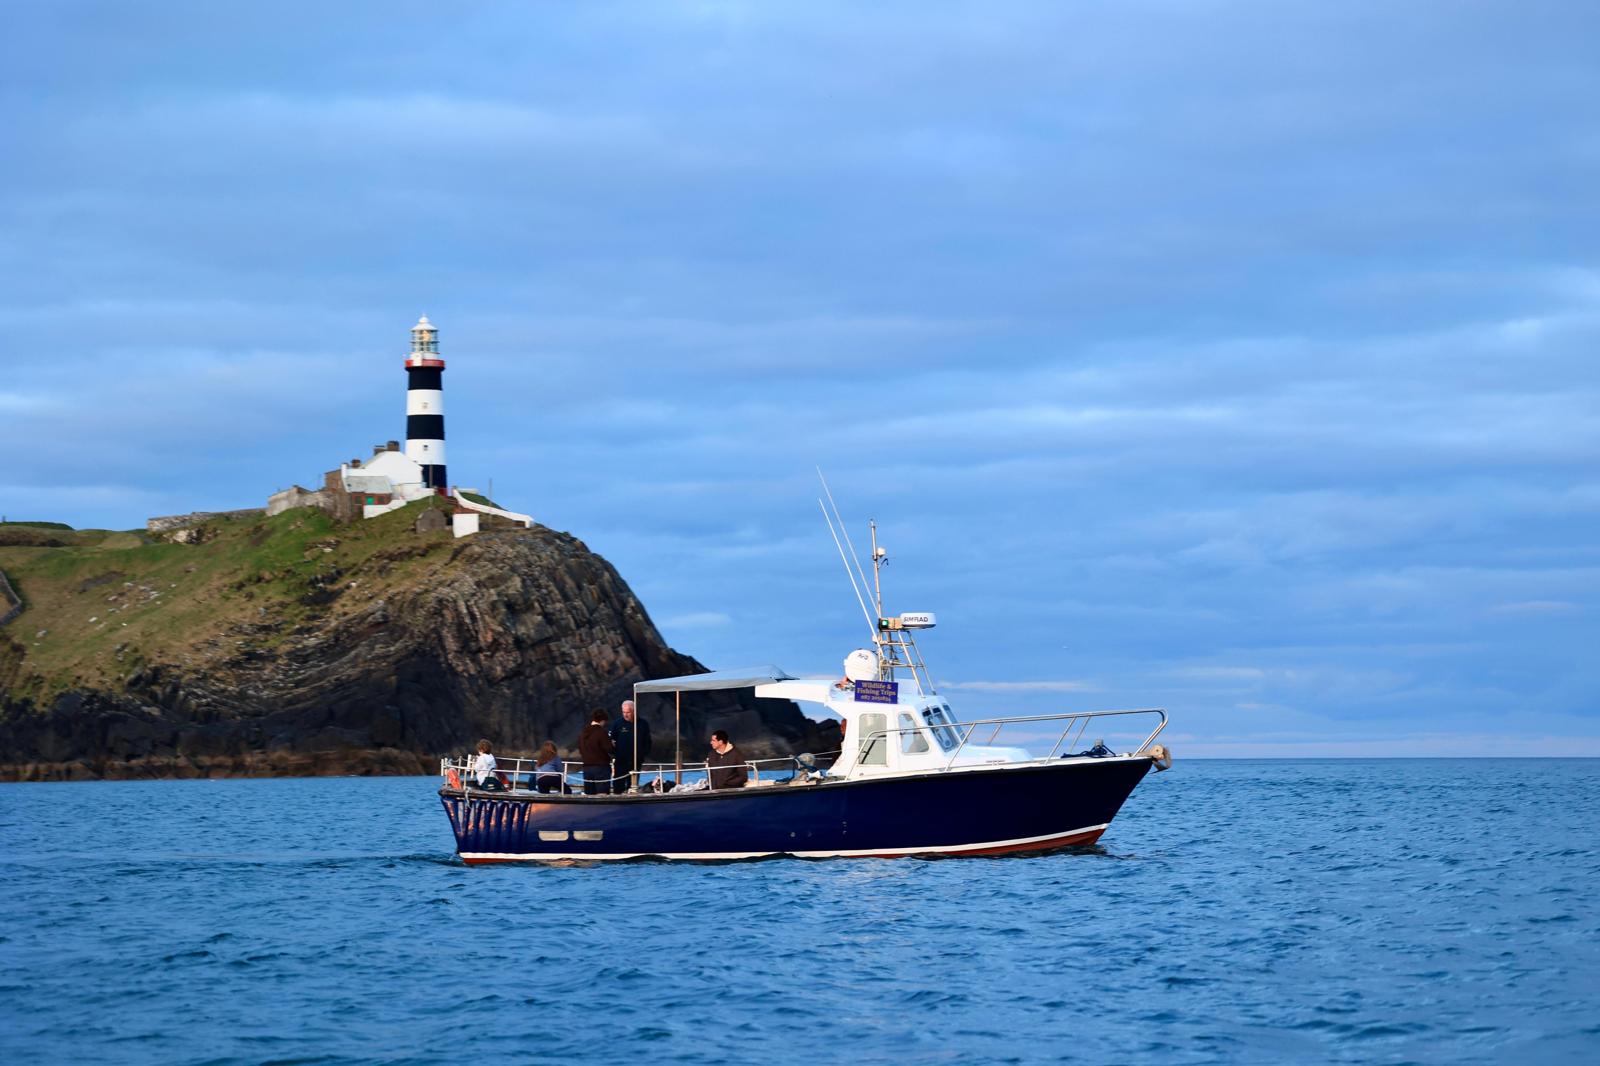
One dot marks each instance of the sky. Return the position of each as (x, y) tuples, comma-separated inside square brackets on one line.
[(1237, 358)]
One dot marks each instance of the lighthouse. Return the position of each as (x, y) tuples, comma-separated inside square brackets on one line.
[(425, 405), (392, 479)]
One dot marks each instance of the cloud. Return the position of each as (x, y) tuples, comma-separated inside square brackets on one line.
[(698, 620), (1158, 360), (1019, 686), (1424, 746), (1219, 673), (1536, 607), (20, 402)]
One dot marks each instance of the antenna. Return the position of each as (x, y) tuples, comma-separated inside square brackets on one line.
[(880, 558), (872, 626), (846, 530)]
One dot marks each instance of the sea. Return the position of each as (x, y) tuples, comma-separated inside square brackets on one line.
[(1372, 911)]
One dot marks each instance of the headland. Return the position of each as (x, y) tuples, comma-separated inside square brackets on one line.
[(247, 645)]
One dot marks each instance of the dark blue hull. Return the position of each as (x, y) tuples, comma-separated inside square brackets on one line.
[(976, 812)]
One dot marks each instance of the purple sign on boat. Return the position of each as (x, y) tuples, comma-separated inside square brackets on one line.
[(877, 692)]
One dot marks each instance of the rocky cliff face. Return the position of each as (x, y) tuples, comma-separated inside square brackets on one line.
[(380, 661)]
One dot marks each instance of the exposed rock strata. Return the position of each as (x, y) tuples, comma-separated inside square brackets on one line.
[(515, 635)]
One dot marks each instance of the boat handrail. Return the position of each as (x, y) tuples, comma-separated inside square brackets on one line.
[(512, 768), (515, 769), (1081, 718)]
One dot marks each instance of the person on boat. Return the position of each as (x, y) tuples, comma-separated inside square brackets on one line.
[(548, 769), (630, 735), (484, 767), (595, 749), (725, 765)]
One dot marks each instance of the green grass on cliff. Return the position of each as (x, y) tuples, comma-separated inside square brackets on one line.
[(102, 603)]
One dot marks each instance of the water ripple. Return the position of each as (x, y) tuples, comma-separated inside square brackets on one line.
[(1343, 911)]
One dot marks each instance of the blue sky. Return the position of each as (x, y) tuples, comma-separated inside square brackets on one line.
[(1238, 358)]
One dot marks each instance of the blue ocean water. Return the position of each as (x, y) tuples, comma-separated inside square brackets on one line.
[(1237, 911)]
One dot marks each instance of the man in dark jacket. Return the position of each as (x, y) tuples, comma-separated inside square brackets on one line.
[(725, 765), (630, 735), (596, 749)]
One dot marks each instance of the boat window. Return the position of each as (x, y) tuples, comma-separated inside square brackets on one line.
[(912, 740), (877, 752), (942, 724)]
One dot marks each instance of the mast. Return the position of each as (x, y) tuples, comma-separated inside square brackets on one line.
[(897, 648), (892, 642), (879, 638)]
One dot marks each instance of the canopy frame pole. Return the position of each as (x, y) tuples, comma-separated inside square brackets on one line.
[(677, 733), (638, 716)]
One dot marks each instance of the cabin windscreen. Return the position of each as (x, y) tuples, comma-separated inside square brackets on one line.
[(943, 726)]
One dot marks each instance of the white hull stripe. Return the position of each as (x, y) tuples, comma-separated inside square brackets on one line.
[(951, 849)]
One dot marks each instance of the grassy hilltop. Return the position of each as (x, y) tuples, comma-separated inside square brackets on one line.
[(246, 645), (100, 603)]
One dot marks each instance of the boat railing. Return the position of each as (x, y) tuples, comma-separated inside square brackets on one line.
[(658, 773), (1074, 724), (508, 768), (524, 774), (954, 737)]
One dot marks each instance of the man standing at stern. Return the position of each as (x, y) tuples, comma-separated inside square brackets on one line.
[(596, 750), (631, 736)]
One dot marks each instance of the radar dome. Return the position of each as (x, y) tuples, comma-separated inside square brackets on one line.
[(861, 665)]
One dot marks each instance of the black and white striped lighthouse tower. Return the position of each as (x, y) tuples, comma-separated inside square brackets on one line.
[(425, 405)]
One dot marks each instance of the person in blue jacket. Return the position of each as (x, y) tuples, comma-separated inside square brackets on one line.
[(550, 772), (631, 735)]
